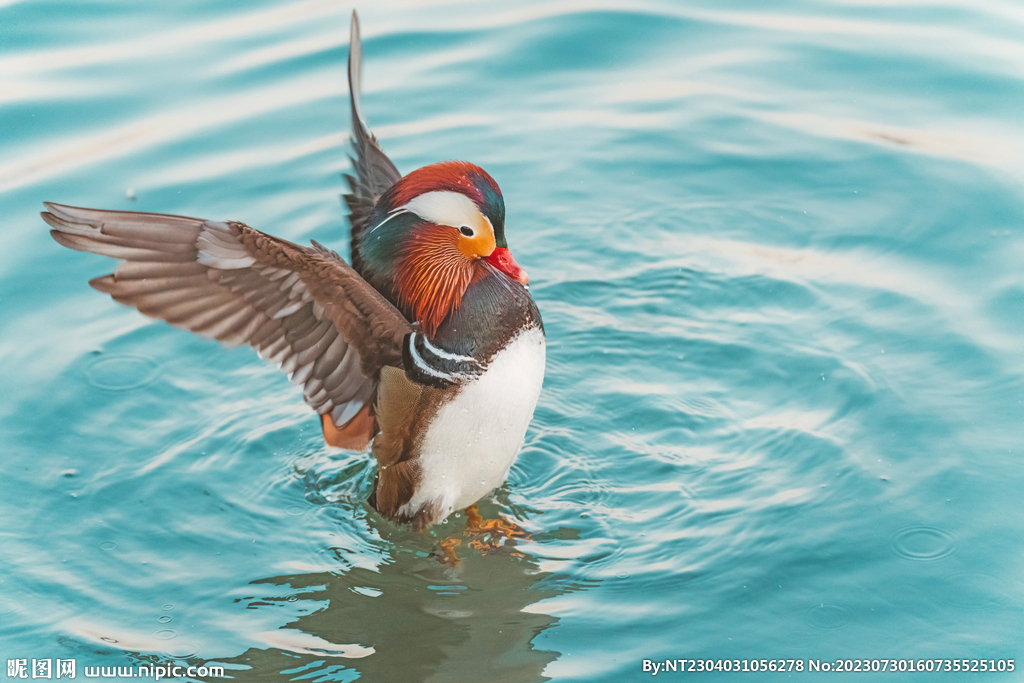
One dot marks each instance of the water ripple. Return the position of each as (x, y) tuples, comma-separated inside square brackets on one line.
[(829, 617), (121, 372), (924, 543), (778, 257)]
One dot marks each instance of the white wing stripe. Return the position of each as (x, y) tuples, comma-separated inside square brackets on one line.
[(441, 353), (422, 365)]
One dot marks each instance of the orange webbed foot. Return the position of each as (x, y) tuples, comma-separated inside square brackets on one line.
[(490, 535), (447, 553), (493, 532)]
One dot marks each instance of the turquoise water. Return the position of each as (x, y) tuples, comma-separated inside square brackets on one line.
[(779, 252)]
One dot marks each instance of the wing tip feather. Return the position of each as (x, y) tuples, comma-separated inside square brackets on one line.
[(355, 69), (71, 240), (104, 283), (72, 214)]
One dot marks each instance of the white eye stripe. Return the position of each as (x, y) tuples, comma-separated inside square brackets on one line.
[(394, 212), (447, 208)]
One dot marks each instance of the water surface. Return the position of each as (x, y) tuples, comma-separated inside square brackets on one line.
[(778, 251)]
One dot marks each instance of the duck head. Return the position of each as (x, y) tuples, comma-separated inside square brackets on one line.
[(431, 233)]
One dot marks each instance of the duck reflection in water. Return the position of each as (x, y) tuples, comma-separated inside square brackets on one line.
[(410, 613)]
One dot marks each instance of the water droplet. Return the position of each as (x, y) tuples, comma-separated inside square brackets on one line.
[(923, 543), (296, 510), (165, 634), (108, 545), (164, 619), (107, 640), (168, 607)]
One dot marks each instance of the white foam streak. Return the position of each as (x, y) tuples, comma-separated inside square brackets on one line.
[(68, 154), (219, 30)]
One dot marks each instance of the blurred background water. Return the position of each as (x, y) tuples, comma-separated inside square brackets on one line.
[(779, 254)]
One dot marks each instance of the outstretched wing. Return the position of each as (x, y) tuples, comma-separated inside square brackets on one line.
[(302, 308), (374, 171)]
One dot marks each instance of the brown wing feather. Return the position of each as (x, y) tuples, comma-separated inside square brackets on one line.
[(302, 308), (374, 171)]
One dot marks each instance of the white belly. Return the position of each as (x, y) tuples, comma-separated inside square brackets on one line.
[(474, 439)]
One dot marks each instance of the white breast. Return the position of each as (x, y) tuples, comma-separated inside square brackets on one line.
[(473, 440)]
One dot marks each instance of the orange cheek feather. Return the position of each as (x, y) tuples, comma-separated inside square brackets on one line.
[(433, 275), (480, 246)]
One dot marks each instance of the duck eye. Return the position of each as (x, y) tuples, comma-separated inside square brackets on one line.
[(467, 231)]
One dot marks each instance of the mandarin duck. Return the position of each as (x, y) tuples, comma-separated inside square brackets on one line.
[(428, 347)]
